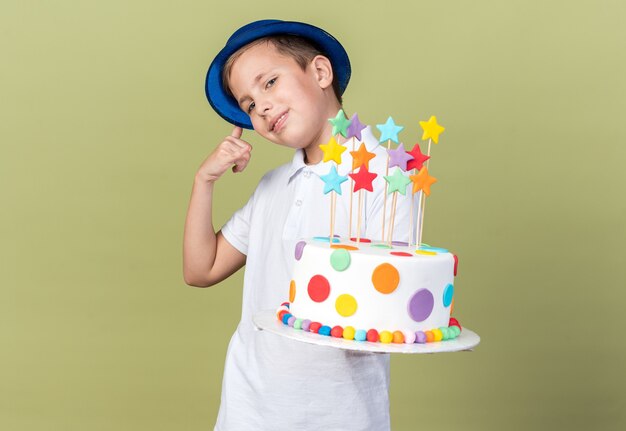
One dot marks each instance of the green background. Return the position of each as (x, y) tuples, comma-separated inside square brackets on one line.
[(103, 123)]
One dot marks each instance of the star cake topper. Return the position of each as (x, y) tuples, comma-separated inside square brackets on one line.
[(363, 179), (431, 129), (332, 150), (340, 123), (423, 181), (389, 131), (399, 157), (332, 181), (397, 182), (418, 158), (355, 128), (361, 157)]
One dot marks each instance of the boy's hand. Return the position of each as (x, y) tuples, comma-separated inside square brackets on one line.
[(232, 151)]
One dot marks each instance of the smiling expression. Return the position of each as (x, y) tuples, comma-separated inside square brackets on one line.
[(287, 105)]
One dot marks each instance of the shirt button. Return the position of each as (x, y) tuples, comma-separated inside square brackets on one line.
[(307, 174), (298, 202)]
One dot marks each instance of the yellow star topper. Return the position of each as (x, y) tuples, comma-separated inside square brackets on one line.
[(332, 150), (431, 129)]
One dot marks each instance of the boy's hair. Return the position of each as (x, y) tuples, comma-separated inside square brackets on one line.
[(296, 47)]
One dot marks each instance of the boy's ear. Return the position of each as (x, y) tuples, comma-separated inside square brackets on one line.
[(323, 71)]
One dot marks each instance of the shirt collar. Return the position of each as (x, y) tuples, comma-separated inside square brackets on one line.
[(321, 168)]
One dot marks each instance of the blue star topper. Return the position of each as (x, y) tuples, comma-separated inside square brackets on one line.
[(389, 131), (332, 180)]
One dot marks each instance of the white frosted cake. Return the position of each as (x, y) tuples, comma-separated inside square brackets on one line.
[(372, 291)]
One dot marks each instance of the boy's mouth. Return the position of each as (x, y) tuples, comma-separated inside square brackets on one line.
[(278, 122)]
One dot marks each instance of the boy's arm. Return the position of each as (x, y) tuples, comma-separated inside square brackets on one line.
[(207, 257)]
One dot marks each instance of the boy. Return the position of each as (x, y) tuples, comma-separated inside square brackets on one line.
[(285, 80)]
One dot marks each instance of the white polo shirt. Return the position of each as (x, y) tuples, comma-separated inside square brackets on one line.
[(274, 383)]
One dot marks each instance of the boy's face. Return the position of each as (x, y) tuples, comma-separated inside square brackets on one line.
[(286, 104)]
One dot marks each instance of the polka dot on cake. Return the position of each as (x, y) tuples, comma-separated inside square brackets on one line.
[(345, 247), (346, 305), (448, 293), (299, 249), (340, 259), (421, 305), (399, 243), (401, 253), (364, 240), (292, 291), (319, 288), (385, 278)]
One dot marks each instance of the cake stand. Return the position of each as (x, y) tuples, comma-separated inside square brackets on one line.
[(267, 321)]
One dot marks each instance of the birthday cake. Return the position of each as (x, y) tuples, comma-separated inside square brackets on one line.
[(374, 290)]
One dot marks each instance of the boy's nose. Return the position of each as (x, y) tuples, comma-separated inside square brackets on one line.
[(264, 106)]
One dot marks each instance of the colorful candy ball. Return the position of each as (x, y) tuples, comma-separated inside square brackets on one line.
[(359, 335), (314, 327), (454, 322), (398, 337), (324, 330), (409, 337), (281, 313), (372, 336), (337, 331), (386, 337), (420, 337), (349, 333)]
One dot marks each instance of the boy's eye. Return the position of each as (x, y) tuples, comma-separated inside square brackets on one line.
[(270, 82), (250, 107)]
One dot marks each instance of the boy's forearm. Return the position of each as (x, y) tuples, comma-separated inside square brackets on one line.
[(200, 240)]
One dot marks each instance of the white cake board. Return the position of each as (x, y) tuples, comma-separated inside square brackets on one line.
[(267, 321)]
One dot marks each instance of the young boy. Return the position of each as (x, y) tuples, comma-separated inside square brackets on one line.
[(285, 80)]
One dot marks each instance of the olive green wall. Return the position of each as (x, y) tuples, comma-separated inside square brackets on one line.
[(103, 122)]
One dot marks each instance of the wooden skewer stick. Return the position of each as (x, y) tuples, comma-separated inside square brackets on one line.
[(393, 216), (332, 217), (423, 202), (358, 228), (411, 224), (385, 197), (351, 193)]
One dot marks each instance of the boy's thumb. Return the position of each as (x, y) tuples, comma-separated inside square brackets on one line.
[(237, 132)]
